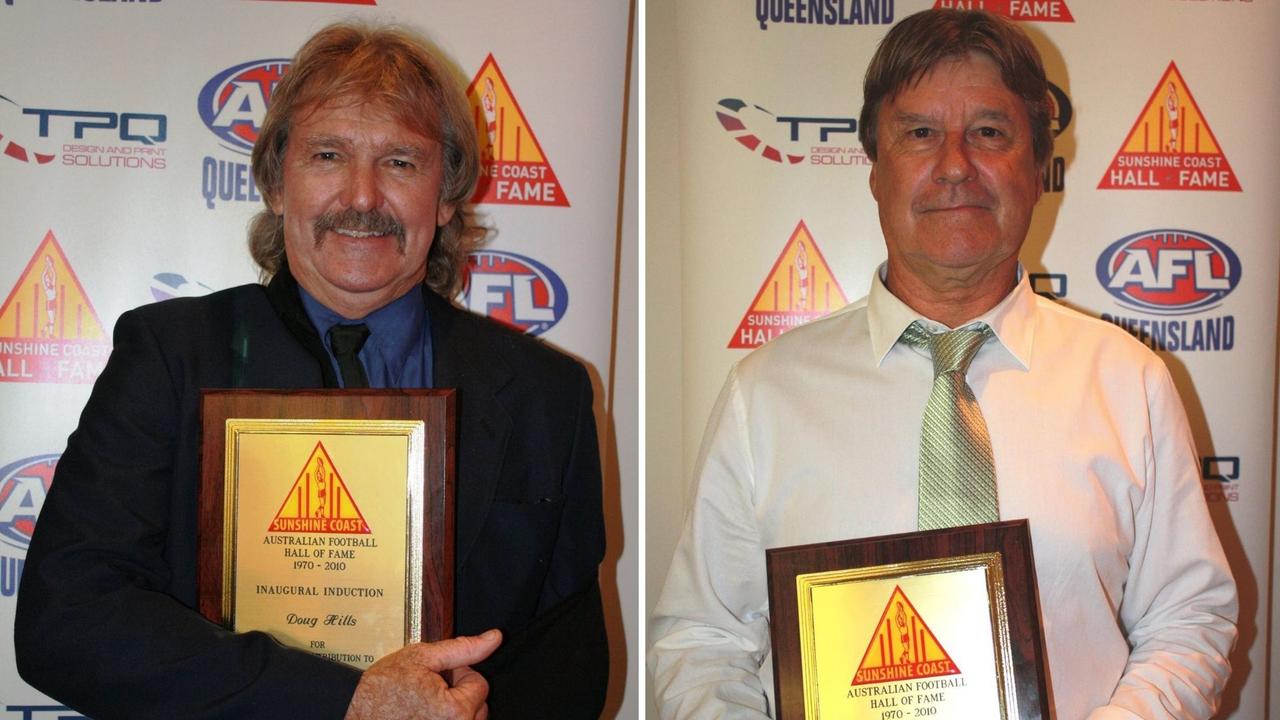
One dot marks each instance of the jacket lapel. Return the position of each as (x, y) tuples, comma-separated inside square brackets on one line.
[(282, 293), (465, 361)]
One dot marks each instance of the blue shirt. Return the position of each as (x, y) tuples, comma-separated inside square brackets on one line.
[(397, 353)]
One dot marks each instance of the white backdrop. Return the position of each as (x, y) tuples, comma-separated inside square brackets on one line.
[(119, 187), (755, 102)]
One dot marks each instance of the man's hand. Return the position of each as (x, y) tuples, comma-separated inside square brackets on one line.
[(427, 681)]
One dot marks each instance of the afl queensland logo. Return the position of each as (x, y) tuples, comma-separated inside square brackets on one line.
[(234, 102), (515, 290), (1169, 271), (23, 487)]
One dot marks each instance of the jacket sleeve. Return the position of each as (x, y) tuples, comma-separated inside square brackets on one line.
[(100, 624), (558, 666)]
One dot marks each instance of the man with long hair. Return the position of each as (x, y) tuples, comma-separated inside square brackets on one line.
[(366, 159)]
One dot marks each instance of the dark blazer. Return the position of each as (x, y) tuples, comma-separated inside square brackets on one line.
[(105, 619)]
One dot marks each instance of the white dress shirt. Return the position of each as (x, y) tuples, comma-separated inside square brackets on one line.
[(815, 437)]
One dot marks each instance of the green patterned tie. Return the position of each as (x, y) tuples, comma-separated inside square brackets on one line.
[(957, 473)]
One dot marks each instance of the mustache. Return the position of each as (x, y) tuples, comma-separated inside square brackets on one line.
[(956, 198), (371, 221)]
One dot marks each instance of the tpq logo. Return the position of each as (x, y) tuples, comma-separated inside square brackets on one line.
[(1169, 271), (800, 137), (145, 128), (234, 102), (23, 487), (516, 290), (106, 137)]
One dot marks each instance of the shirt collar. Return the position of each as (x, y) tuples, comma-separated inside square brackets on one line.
[(1012, 320)]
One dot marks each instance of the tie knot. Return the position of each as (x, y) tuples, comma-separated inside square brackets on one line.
[(348, 339), (951, 351)]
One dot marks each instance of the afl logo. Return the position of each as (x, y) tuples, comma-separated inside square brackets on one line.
[(515, 290), (234, 102), (1169, 271), (23, 486)]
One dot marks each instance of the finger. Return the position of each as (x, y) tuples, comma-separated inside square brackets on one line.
[(462, 674), (469, 687), (460, 651), (483, 713)]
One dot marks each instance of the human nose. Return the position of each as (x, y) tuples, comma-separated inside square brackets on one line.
[(363, 192), (955, 166)]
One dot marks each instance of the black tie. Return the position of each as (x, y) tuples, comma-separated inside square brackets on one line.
[(346, 341)]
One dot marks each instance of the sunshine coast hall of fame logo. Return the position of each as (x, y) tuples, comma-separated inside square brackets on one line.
[(232, 105), (49, 331), (515, 290), (318, 501), (1029, 10), (902, 647), (514, 169), (1170, 146), (800, 287)]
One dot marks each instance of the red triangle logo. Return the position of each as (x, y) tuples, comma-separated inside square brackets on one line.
[(49, 331), (1170, 146), (799, 288), (1030, 10), (319, 502), (514, 170), (902, 647)]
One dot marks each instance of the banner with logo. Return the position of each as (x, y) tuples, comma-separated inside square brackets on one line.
[(1158, 214), (125, 132)]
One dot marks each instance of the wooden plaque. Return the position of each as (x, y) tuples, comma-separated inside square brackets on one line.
[(326, 517), (942, 624)]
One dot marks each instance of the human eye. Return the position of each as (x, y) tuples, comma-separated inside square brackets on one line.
[(920, 133), (990, 132), (325, 156), (402, 164), (994, 131)]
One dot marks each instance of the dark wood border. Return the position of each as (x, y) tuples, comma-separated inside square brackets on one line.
[(435, 407), (1011, 538)]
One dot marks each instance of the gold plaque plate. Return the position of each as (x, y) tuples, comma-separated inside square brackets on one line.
[(926, 636), (323, 534)]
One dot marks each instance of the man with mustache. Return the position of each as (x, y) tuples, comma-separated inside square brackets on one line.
[(954, 395), (366, 159)]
